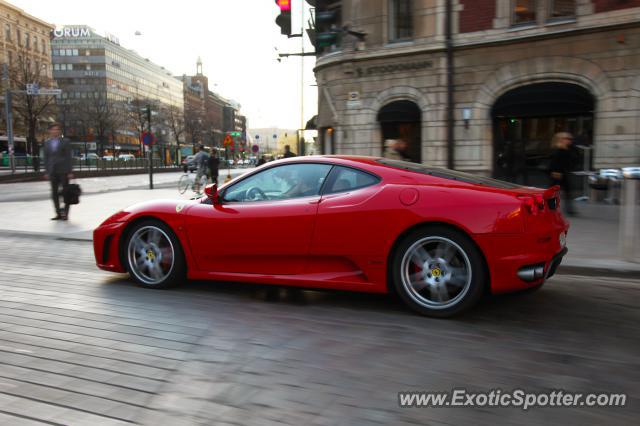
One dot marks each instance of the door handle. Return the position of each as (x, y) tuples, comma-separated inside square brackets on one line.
[(315, 201)]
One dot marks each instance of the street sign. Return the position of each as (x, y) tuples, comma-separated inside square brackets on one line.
[(51, 92), (255, 148), (33, 88), (148, 138)]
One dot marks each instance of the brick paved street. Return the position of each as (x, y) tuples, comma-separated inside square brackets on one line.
[(80, 346)]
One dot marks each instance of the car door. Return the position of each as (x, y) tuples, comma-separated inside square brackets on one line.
[(264, 223), (349, 222)]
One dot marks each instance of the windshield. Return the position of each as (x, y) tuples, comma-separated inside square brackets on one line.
[(448, 174)]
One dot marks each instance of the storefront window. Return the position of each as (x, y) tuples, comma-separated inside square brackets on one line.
[(524, 12), (562, 9), (400, 18)]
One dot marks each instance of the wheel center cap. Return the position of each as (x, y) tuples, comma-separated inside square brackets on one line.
[(151, 255), (436, 272)]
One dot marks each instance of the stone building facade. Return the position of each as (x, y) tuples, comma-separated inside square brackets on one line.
[(24, 42), (522, 71)]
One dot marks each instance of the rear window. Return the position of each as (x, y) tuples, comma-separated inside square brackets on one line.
[(345, 179), (448, 174)]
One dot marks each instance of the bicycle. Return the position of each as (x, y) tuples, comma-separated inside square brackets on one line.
[(188, 180)]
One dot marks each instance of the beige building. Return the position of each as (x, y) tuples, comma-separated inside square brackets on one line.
[(24, 39), (523, 69), (23, 34)]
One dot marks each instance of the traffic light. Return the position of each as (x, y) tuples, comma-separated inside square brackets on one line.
[(284, 19), (326, 32), (326, 28)]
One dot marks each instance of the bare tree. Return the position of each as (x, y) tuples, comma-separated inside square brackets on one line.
[(103, 115), (194, 120), (31, 109)]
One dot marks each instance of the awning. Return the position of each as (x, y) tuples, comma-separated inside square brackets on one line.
[(312, 124)]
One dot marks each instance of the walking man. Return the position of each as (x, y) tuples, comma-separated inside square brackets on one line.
[(561, 166), (57, 162), (214, 166), (201, 161)]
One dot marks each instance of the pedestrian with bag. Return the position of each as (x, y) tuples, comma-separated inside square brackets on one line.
[(58, 166)]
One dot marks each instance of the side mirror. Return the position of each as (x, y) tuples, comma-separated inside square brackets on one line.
[(211, 191)]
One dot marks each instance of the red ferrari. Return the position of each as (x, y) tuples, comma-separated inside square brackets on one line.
[(438, 238)]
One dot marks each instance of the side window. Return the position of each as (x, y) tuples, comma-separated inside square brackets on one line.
[(345, 179), (280, 183)]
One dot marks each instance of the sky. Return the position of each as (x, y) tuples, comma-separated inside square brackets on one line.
[(236, 39)]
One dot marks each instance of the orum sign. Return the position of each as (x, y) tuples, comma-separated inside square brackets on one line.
[(72, 32)]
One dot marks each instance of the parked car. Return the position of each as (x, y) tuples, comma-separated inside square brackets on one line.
[(438, 238), (188, 163), (90, 156), (126, 157), (108, 158)]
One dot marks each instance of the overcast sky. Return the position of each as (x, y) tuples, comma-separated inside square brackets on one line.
[(236, 40)]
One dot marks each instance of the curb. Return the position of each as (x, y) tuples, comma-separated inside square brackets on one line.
[(622, 272), (37, 176)]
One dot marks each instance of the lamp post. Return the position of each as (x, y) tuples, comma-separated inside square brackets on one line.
[(150, 146)]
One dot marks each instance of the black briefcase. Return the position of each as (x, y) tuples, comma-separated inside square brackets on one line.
[(72, 193)]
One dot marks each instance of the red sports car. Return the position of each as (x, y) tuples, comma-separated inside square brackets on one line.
[(438, 238)]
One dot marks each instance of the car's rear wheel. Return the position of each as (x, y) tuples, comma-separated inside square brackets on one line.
[(153, 255), (438, 271)]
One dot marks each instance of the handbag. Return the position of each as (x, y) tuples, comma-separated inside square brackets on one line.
[(72, 193)]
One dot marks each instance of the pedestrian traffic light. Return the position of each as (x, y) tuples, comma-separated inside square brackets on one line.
[(284, 19)]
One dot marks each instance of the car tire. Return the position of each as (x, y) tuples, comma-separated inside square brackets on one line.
[(438, 271), (153, 255)]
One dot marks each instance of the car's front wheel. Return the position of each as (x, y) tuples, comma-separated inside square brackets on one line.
[(438, 271), (153, 255)]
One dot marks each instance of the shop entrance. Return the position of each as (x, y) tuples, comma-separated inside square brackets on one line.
[(524, 122), (403, 120)]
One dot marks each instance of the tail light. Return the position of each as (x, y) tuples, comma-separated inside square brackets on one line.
[(533, 203)]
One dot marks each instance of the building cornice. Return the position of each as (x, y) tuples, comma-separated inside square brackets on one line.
[(387, 52), (26, 15)]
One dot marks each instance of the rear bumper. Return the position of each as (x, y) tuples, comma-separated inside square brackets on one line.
[(543, 270), (520, 261)]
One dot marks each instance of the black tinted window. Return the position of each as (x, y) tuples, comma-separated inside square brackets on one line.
[(448, 174), (346, 179)]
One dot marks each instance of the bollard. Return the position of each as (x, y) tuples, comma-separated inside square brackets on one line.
[(630, 215)]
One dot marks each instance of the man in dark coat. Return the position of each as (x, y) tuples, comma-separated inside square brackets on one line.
[(214, 166), (58, 166), (561, 166), (287, 152)]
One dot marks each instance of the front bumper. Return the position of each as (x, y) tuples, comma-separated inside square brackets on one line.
[(106, 243)]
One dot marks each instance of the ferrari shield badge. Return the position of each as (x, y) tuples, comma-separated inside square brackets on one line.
[(179, 207)]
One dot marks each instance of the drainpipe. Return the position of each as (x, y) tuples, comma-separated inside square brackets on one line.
[(450, 84)]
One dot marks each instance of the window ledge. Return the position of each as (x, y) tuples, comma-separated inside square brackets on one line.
[(561, 21), (520, 27), (400, 43)]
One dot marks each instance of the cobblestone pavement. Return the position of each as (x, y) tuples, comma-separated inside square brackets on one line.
[(83, 347)]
